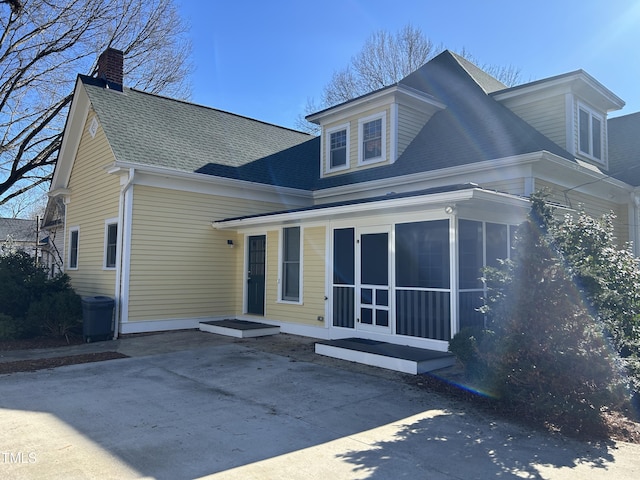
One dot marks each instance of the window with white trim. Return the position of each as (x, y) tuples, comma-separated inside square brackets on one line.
[(372, 139), (291, 264), (74, 242), (110, 244), (338, 148), (590, 133)]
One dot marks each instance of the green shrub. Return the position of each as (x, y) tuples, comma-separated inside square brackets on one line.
[(56, 314), (31, 304), (466, 345), (550, 359), (7, 327)]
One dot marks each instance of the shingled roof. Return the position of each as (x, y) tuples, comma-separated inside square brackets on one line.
[(473, 127), (18, 229), (624, 148), (152, 130), (149, 129)]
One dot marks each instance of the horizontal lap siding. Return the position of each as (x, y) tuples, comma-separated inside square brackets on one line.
[(313, 276), (593, 206), (94, 199), (181, 267), (548, 116), (514, 186), (410, 122)]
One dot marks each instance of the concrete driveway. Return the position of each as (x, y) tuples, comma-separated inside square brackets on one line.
[(194, 405)]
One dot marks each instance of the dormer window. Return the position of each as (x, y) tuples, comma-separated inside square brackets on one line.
[(372, 139), (590, 131), (372, 134), (338, 148)]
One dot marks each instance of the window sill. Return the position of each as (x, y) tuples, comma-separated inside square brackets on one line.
[(290, 302), (371, 161)]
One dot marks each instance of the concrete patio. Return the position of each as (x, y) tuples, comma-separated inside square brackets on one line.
[(191, 404)]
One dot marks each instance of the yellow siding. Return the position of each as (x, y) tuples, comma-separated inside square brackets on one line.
[(94, 199), (514, 186), (547, 116), (313, 292), (410, 122), (354, 140), (181, 267), (593, 206)]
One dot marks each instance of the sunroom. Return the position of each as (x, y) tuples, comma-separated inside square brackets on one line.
[(403, 268)]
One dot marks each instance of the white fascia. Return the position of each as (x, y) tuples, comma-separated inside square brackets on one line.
[(212, 185), (391, 94), (73, 130), (445, 176), (395, 204), (585, 178)]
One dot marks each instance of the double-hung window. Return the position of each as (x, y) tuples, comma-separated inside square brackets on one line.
[(110, 244), (372, 139), (74, 241), (290, 264), (338, 148), (590, 131)]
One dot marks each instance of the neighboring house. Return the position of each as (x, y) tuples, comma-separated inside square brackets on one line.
[(377, 229), (18, 234)]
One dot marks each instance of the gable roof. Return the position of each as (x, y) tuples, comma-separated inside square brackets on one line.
[(473, 127), (624, 148), (20, 230), (157, 131), (152, 130)]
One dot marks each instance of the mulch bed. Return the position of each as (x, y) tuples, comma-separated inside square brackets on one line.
[(616, 426), (44, 363)]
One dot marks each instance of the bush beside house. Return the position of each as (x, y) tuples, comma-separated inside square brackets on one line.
[(31, 304), (562, 338)]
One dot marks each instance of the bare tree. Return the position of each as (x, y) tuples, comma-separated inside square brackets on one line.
[(383, 60), (44, 44)]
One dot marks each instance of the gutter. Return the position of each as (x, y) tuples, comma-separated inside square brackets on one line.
[(120, 285)]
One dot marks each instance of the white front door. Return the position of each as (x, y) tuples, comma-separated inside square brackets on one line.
[(373, 296)]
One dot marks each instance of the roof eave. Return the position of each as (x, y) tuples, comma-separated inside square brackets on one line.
[(392, 90)]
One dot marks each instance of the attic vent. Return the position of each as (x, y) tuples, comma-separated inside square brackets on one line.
[(93, 127)]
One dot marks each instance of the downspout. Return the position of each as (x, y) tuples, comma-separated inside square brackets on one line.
[(120, 286)]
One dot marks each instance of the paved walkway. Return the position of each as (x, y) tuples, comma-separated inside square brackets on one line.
[(197, 405)]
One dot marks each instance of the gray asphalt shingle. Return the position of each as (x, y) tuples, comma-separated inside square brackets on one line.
[(153, 130)]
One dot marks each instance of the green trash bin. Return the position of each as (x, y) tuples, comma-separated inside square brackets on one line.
[(97, 318)]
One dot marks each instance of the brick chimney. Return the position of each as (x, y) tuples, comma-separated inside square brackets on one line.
[(111, 67)]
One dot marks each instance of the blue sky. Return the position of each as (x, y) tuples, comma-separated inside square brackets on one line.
[(264, 59)]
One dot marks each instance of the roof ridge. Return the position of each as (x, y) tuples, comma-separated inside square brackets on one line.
[(93, 81), (474, 71)]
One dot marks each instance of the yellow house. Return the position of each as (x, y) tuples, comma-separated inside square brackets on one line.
[(377, 229)]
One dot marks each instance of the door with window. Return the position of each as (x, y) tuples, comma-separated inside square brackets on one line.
[(373, 275), (256, 256)]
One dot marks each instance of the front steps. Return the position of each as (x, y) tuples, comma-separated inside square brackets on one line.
[(400, 358), (239, 328)]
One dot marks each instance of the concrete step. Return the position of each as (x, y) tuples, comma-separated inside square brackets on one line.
[(401, 358), (239, 328)]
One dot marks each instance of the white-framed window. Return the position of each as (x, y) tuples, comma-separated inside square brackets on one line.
[(337, 148), (372, 139), (291, 264), (590, 133), (110, 243), (74, 247)]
